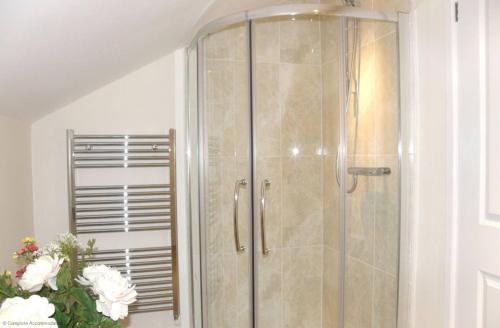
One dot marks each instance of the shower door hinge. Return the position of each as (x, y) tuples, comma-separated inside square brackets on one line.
[(456, 11)]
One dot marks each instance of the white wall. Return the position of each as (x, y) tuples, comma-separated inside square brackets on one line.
[(15, 188), (143, 101), (432, 99)]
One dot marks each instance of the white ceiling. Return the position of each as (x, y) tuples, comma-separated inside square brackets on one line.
[(52, 52)]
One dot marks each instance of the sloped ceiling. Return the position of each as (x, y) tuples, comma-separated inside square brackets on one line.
[(53, 52)]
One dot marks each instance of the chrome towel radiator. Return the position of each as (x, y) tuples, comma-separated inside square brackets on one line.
[(125, 208)]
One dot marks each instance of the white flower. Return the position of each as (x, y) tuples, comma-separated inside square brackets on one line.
[(35, 309), (53, 248), (69, 239), (113, 290), (50, 249), (43, 270), (91, 273)]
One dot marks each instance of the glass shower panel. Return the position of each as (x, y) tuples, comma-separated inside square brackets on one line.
[(373, 179), (226, 193), (295, 116)]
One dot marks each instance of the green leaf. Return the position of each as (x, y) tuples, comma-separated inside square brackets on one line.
[(109, 323), (63, 319), (83, 298), (7, 289), (64, 278), (86, 314)]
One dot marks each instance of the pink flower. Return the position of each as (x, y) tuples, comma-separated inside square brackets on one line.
[(20, 272), (32, 247), (21, 251)]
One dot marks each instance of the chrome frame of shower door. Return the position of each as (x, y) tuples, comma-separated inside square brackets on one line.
[(202, 183), (196, 153), (405, 153), (252, 135), (342, 159), (192, 188), (292, 10)]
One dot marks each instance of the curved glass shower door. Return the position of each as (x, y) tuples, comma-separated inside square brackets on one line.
[(223, 63), (296, 171)]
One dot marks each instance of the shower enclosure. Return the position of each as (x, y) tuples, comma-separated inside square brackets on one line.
[(295, 155)]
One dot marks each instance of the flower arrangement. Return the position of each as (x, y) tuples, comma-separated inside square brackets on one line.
[(55, 290)]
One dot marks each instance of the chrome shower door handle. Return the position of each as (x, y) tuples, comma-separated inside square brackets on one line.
[(266, 183), (337, 174), (242, 182), (337, 165)]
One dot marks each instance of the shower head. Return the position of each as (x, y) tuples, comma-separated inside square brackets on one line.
[(351, 3)]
